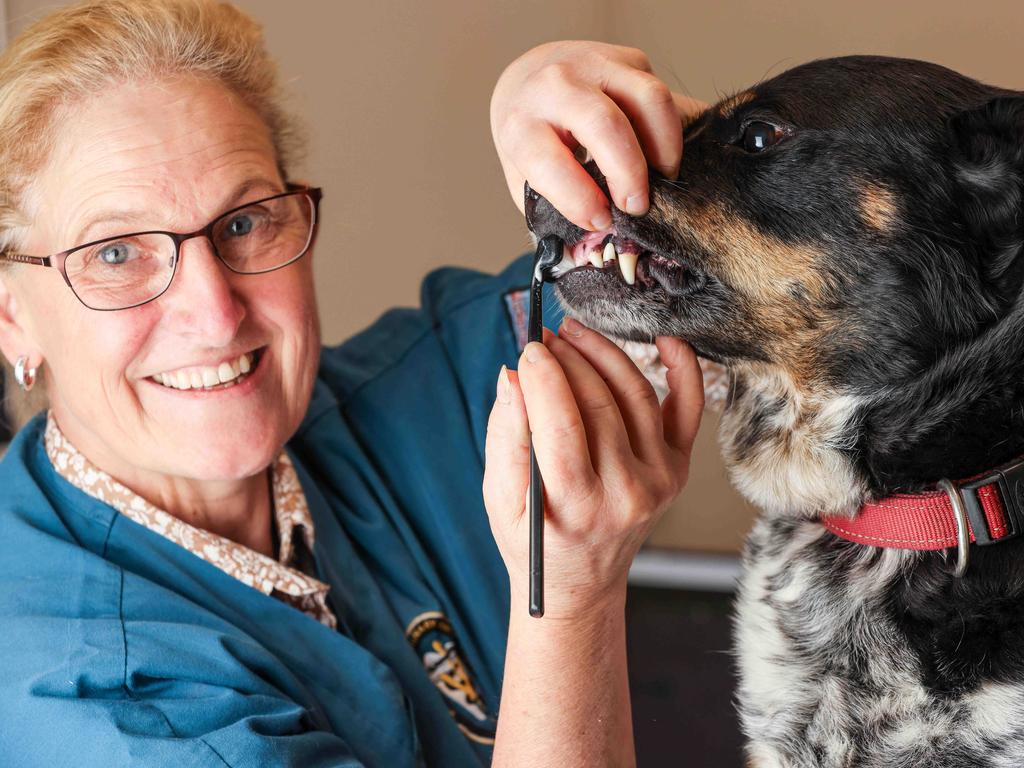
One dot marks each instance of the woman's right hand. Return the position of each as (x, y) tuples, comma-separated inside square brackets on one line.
[(559, 95), (611, 458)]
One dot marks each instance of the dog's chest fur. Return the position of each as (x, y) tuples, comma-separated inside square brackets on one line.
[(837, 669), (849, 655)]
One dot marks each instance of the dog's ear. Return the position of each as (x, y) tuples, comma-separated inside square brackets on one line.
[(988, 160)]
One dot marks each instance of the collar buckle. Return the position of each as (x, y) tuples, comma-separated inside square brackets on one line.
[(963, 535), (1009, 478)]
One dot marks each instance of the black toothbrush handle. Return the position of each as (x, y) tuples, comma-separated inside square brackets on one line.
[(536, 538), (549, 253)]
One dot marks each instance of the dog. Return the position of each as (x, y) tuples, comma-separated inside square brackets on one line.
[(847, 240)]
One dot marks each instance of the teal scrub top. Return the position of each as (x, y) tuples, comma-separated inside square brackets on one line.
[(118, 647)]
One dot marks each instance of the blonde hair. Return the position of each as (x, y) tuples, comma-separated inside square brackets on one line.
[(78, 51), (81, 50)]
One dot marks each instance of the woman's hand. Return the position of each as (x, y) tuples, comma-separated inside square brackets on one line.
[(611, 458), (558, 96)]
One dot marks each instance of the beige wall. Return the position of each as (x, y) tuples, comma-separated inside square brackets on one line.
[(718, 47), (396, 97)]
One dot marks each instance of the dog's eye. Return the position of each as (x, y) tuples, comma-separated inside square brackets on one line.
[(758, 136)]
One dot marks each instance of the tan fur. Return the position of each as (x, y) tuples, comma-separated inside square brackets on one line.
[(779, 265), (727, 107), (783, 285), (878, 207)]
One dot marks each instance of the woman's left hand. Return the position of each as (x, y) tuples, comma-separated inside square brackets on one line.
[(612, 460), (561, 95)]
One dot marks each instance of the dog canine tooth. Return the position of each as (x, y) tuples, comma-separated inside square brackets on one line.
[(627, 265)]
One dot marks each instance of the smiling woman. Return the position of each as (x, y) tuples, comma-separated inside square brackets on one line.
[(226, 545), (138, 431)]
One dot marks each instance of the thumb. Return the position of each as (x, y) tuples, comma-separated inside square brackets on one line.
[(507, 450), (683, 407)]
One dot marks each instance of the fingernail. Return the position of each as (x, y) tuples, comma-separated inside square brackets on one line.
[(573, 327), (533, 351), (601, 221), (636, 204), (504, 387)]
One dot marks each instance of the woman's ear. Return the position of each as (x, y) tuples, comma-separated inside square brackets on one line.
[(15, 340), (988, 162)]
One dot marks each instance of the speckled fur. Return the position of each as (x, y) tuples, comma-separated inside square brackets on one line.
[(828, 677)]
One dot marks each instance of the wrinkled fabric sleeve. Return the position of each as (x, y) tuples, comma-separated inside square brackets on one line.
[(70, 695), (102, 732)]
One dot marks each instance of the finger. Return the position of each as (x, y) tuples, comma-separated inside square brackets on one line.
[(684, 405), (559, 436), (507, 449), (688, 107), (543, 158), (600, 125), (607, 436), (515, 182), (650, 107), (636, 398), (634, 57)]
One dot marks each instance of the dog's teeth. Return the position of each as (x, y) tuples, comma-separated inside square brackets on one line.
[(627, 265), (609, 252), (595, 258)]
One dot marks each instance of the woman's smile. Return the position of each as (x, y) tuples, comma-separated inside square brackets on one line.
[(230, 372)]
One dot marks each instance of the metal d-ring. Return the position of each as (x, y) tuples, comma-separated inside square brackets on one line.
[(963, 535)]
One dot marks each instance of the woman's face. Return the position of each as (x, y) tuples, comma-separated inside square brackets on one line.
[(167, 155)]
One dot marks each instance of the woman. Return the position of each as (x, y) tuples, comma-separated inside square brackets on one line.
[(223, 545)]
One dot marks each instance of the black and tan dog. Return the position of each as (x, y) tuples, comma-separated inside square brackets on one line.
[(848, 240)]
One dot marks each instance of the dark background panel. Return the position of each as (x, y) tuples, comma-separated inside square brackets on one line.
[(682, 679)]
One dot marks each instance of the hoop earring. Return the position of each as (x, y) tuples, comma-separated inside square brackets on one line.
[(25, 376)]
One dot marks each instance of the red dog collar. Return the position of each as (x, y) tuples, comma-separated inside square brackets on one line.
[(984, 509)]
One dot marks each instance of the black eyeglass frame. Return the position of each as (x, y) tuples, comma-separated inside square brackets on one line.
[(58, 260)]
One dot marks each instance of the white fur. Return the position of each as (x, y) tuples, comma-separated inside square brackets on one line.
[(805, 471)]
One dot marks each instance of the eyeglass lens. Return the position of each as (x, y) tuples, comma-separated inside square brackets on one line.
[(129, 270)]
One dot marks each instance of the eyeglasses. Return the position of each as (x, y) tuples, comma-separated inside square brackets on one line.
[(130, 270)]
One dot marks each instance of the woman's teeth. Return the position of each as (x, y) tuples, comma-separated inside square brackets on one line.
[(207, 377)]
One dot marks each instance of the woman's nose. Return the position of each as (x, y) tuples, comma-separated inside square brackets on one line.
[(203, 295)]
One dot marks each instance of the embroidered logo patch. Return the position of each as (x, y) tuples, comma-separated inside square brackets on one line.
[(432, 637)]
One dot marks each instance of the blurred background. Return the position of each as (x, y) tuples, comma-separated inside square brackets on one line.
[(395, 96)]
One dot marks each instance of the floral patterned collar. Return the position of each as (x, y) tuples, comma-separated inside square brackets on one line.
[(278, 578)]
